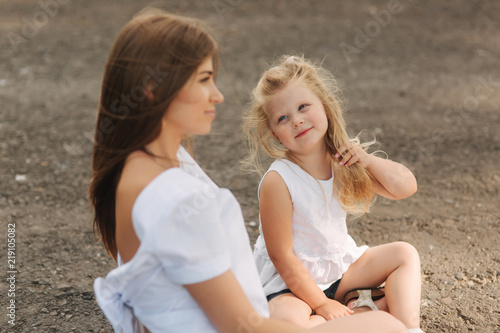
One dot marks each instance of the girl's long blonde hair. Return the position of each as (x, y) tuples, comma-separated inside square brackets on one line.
[(353, 184)]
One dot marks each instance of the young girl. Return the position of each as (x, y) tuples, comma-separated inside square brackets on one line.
[(188, 266), (307, 262)]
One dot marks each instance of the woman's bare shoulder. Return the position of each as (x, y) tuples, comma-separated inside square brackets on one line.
[(139, 170)]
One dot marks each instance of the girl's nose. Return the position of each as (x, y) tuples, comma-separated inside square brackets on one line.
[(297, 121)]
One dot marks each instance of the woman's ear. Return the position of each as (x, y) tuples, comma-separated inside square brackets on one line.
[(148, 91)]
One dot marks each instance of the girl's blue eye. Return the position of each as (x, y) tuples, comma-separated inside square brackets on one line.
[(302, 106), (282, 118)]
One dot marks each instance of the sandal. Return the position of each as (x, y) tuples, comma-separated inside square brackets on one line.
[(365, 297)]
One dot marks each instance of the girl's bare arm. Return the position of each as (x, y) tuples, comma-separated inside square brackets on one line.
[(391, 179)]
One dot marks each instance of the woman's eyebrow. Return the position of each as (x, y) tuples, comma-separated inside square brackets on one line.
[(206, 72)]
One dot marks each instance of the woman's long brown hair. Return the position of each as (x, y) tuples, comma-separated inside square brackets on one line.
[(156, 51)]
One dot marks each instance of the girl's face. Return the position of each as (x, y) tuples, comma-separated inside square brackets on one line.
[(193, 109), (298, 120)]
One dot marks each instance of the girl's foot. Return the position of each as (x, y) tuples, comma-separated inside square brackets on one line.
[(363, 298)]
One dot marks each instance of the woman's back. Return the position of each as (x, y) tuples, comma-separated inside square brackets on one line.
[(190, 231), (139, 170)]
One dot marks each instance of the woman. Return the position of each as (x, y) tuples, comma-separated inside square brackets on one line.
[(188, 266)]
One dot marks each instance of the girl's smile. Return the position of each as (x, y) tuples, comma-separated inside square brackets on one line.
[(303, 133)]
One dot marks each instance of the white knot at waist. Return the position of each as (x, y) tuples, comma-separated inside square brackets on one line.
[(119, 314)]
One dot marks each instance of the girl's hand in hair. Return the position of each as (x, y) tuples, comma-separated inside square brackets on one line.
[(350, 153), (390, 179)]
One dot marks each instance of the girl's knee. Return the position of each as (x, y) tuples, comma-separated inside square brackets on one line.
[(407, 252), (290, 309)]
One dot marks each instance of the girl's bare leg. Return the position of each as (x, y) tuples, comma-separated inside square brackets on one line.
[(288, 307), (369, 322), (397, 264)]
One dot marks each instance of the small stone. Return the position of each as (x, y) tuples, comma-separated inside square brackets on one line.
[(20, 178), (433, 295), (460, 276), (63, 286), (53, 313), (447, 301)]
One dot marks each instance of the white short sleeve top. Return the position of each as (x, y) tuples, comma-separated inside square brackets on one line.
[(190, 231)]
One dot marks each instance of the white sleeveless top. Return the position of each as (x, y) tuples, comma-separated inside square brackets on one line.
[(190, 231), (320, 238)]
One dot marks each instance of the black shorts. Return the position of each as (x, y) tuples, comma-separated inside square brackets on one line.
[(329, 292)]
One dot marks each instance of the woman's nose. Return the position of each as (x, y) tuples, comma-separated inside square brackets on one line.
[(216, 96)]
